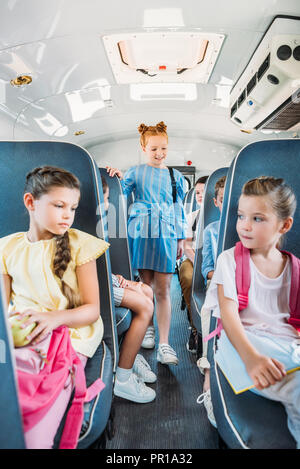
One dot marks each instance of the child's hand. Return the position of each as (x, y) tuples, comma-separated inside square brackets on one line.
[(179, 249), (114, 172), (46, 322), (122, 281), (265, 371)]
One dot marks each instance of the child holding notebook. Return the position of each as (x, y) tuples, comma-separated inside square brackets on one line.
[(263, 334)]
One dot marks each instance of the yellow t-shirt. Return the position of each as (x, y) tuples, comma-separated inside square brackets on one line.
[(35, 286)]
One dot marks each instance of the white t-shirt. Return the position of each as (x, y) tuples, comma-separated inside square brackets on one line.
[(190, 218), (268, 306)]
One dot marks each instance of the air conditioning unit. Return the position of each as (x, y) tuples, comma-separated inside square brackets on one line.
[(267, 94)]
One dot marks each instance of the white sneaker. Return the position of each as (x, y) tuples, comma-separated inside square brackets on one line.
[(134, 390), (149, 339), (166, 355), (205, 398), (142, 369)]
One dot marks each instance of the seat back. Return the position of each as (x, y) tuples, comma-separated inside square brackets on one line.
[(119, 247), (189, 203), (242, 419), (11, 434), (278, 158), (130, 201), (117, 227), (209, 213)]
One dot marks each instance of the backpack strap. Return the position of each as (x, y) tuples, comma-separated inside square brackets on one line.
[(242, 274), (242, 280), (294, 319), (75, 414), (196, 221), (174, 190)]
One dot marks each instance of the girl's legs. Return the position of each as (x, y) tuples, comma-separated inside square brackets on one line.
[(203, 363), (161, 284), (147, 277), (287, 391), (127, 384), (165, 353), (142, 307)]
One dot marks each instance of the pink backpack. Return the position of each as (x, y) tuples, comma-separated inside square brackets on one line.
[(243, 279), (39, 390)]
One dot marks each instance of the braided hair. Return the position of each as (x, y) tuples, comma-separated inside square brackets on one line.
[(40, 181)]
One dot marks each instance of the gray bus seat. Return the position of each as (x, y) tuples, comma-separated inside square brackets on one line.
[(17, 159), (248, 420), (119, 248), (11, 434), (209, 213), (189, 202)]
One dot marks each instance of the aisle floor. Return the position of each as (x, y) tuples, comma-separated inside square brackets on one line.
[(174, 420)]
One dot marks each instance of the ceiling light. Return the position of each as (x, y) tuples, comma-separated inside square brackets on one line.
[(165, 91), (21, 80), (167, 57)]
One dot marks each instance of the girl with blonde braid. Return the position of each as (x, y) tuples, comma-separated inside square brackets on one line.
[(50, 280), (156, 227)]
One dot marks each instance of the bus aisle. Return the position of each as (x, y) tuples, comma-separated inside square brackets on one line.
[(173, 420)]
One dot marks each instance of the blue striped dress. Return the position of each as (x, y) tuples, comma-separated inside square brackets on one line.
[(155, 223)]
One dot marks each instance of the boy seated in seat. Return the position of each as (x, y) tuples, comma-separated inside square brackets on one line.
[(210, 235), (187, 265)]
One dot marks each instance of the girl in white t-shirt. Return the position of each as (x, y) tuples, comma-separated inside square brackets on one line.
[(265, 213)]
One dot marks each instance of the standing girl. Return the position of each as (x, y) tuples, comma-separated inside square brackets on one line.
[(156, 228), (262, 332), (50, 280)]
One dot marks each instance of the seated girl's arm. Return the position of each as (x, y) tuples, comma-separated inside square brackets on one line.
[(188, 249), (7, 288), (83, 315), (264, 371)]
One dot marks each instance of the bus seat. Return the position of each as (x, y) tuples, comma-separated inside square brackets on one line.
[(248, 420), (11, 435), (130, 201), (17, 159), (209, 213), (119, 248), (189, 202)]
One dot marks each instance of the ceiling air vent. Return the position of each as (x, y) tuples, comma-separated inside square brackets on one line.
[(264, 95), (285, 117), (163, 56)]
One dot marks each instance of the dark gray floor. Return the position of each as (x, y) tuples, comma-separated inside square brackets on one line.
[(174, 420)]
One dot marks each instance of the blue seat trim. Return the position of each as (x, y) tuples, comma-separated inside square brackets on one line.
[(209, 214)]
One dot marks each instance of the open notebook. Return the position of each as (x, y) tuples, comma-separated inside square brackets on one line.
[(233, 367)]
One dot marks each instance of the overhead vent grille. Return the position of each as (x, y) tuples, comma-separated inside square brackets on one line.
[(285, 117), (163, 56), (263, 96)]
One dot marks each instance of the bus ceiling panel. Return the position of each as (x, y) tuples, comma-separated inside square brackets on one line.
[(30, 21), (67, 63), (54, 122), (57, 65), (80, 106)]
